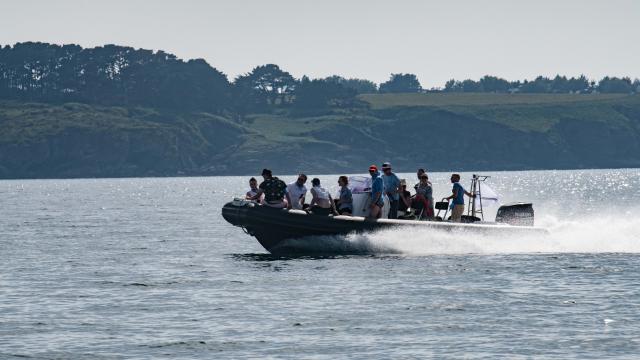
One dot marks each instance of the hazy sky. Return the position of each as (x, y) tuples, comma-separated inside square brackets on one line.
[(437, 40)]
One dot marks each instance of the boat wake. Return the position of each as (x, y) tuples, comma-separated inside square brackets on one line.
[(595, 235)]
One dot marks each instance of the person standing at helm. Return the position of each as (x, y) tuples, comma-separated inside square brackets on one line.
[(377, 187), (457, 195), (391, 189)]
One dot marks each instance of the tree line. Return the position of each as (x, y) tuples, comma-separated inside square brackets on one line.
[(124, 76), (541, 84)]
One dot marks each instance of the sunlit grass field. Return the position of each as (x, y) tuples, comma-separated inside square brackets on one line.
[(381, 101)]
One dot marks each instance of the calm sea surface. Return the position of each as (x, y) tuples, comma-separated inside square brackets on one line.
[(147, 268)]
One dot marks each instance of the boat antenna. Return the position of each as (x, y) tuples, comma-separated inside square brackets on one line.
[(476, 188)]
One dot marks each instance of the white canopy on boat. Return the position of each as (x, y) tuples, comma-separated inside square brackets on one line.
[(359, 184), (488, 195)]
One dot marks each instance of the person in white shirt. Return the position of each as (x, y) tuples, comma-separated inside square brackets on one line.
[(253, 189), (321, 203), (296, 192)]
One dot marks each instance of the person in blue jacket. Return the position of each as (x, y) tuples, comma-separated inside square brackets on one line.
[(392, 189), (457, 194), (377, 189)]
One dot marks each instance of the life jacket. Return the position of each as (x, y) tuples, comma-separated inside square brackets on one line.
[(274, 189)]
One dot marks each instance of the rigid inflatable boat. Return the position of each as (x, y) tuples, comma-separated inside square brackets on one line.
[(273, 228)]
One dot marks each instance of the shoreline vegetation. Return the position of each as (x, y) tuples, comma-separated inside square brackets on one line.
[(113, 111)]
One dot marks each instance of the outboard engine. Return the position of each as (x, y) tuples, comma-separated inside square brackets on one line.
[(520, 214)]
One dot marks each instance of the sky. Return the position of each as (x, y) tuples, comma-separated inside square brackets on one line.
[(436, 40)]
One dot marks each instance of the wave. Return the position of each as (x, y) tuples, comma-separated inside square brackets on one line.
[(602, 234)]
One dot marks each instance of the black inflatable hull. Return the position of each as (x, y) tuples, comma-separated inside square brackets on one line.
[(273, 227)]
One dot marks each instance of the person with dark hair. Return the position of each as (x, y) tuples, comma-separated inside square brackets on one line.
[(345, 200), (377, 187), (457, 195), (321, 202), (424, 197), (420, 172), (405, 198), (253, 189), (274, 190), (296, 192)]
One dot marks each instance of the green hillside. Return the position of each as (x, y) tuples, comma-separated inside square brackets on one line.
[(438, 131), (526, 112), (382, 101)]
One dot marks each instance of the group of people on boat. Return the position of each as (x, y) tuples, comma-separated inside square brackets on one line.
[(273, 192)]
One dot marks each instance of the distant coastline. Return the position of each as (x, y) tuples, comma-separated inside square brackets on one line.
[(136, 113), (78, 140)]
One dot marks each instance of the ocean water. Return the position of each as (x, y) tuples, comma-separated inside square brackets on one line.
[(148, 269)]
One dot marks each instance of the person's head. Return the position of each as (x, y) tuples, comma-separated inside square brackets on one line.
[(420, 172), (266, 173), (315, 182), (343, 181), (302, 179), (373, 170), (455, 178), (253, 183), (424, 178), (386, 168), (403, 184)]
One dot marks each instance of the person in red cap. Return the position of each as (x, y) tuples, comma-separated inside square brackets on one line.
[(377, 187)]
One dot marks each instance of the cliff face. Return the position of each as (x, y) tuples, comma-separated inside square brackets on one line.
[(42, 141), (75, 140)]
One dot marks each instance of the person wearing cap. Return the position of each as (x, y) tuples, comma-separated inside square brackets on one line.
[(457, 195), (377, 187), (274, 190), (391, 189)]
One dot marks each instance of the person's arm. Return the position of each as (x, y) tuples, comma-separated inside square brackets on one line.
[(376, 198), (257, 195), (314, 199), (333, 206), (469, 194), (289, 203), (396, 188), (453, 195)]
